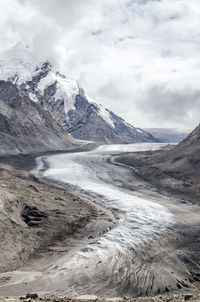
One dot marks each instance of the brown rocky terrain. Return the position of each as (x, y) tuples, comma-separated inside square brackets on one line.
[(33, 215), (174, 170), (25, 126), (191, 297), (185, 157), (36, 216)]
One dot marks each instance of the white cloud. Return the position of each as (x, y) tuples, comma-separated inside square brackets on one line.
[(139, 58)]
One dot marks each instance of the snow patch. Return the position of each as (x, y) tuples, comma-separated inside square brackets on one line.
[(139, 130), (103, 112), (46, 82), (67, 89), (18, 64), (33, 97)]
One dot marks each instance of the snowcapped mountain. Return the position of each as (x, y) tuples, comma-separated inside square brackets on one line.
[(76, 112)]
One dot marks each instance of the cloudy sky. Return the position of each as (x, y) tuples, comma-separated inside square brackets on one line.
[(139, 58)]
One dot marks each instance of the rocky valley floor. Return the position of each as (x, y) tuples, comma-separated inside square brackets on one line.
[(35, 215), (190, 297), (38, 219), (151, 168)]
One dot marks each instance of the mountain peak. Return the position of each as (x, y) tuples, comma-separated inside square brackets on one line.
[(62, 97), (19, 63)]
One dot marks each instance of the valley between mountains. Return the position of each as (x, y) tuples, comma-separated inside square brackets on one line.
[(90, 206), (89, 226)]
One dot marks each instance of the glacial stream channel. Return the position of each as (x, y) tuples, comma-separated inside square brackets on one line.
[(108, 264), (140, 219)]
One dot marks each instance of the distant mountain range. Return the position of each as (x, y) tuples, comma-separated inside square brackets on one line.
[(43, 87), (168, 135)]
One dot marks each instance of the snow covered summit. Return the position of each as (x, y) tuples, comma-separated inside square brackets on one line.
[(76, 112)]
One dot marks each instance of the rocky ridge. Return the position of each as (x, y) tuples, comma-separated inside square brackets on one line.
[(185, 157), (25, 126), (173, 169)]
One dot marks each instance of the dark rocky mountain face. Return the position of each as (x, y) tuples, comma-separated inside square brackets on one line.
[(85, 121), (185, 157), (25, 126), (177, 169), (172, 169), (64, 100)]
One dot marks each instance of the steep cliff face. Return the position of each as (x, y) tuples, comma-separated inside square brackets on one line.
[(67, 103), (92, 121), (25, 126), (185, 157)]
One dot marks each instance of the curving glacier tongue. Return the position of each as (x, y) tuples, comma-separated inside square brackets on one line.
[(140, 219), (107, 264)]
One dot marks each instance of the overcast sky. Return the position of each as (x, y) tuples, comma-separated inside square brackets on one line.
[(139, 58)]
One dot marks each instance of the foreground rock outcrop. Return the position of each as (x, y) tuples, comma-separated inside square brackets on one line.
[(189, 297), (34, 215)]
